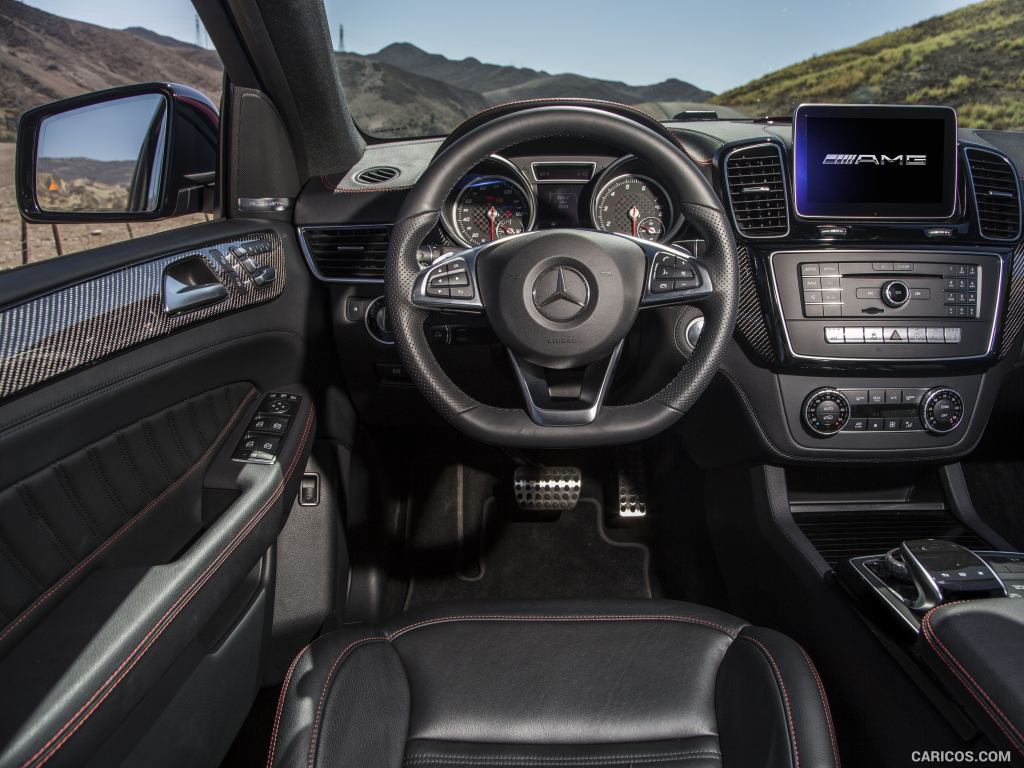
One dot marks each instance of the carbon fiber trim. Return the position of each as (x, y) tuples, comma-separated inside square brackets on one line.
[(751, 326), (80, 324), (1014, 316)]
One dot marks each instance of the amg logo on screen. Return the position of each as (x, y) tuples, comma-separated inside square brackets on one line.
[(839, 159)]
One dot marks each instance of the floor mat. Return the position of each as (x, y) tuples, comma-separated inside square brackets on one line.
[(516, 556)]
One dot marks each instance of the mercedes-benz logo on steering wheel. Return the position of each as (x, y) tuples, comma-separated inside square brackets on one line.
[(561, 294)]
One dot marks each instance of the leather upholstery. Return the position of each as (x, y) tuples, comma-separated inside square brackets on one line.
[(554, 683), (975, 648), (87, 508)]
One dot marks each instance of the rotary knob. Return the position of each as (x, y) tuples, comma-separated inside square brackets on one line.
[(895, 293), (826, 411), (942, 410)]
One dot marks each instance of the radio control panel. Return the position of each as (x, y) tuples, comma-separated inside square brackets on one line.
[(885, 305)]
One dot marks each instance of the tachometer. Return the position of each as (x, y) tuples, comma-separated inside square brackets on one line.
[(633, 205), (489, 208)]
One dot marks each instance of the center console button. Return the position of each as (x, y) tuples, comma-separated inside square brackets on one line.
[(893, 396), (912, 396), (853, 335), (826, 411), (876, 397), (876, 425), (835, 335), (895, 335), (857, 425), (873, 334), (942, 410), (895, 293), (935, 335), (856, 396)]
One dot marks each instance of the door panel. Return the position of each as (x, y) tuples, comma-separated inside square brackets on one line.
[(125, 525)]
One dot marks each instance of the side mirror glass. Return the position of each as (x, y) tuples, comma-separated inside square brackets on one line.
[(136, 153), (103, 158)]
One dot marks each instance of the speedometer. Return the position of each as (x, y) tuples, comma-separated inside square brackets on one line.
[(633, 205), (489, 208)]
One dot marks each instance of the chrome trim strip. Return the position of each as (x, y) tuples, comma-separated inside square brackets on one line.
[(785, 187), (550, 417), (777, 301), (312, 263), (264, 204), (956, 168)]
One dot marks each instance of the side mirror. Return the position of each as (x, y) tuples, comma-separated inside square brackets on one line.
[(135, 153)]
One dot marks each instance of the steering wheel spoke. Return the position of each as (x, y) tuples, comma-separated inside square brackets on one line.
[(450, 283), (565, 398), (674, 275)]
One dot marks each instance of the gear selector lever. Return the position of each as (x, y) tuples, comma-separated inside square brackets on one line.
[(943, 570)]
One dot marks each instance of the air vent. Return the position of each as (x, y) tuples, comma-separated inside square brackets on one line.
[(347, 253), (757, 191), (996, 194), (377, 175)]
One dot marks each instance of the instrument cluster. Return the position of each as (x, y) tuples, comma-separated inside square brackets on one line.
[(502, 197)]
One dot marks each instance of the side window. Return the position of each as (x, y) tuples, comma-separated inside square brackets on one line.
[(89, 184)]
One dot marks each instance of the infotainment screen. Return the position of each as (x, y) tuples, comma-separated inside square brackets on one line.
[(874, 162)]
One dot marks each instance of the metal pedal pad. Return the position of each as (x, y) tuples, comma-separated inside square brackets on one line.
[(549, 489), (632, 477)]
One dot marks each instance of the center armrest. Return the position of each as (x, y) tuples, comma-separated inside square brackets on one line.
[(976, 647)]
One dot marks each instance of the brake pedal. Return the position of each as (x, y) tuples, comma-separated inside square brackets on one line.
[(632, 482), (548, 489)]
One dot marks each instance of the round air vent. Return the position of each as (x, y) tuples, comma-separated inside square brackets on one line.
[(377, 175)]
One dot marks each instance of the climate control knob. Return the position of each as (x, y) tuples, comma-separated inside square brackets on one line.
[(826, 411), (895, 293), (942, 410)]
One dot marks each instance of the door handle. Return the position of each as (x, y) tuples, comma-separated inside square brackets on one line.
[(190, 284)]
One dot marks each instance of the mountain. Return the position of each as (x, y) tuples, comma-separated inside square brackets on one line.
[(497, 83), (392, 101), (970, 58), (44, 57), (205, 55)]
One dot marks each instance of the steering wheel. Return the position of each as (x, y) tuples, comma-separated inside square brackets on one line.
[(562, 301)]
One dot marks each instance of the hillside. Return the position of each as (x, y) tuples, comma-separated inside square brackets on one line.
[(392, 101), (45, 57), (497, 83), (971, 59)]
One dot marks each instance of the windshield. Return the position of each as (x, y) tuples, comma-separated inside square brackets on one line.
[(416, 69)]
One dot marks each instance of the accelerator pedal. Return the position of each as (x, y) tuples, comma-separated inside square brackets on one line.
[(632, 482), (547, 489)]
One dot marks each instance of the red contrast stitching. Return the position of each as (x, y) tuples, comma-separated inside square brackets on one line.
[(512, 617), (280, 703), (783, 691), (931, 636), (100, 695), (128, 525), (824, 704), (327, 684)]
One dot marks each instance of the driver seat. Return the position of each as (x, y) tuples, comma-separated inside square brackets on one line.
[(554, 683)]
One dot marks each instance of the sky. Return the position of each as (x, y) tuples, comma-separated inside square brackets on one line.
[(714, 44)]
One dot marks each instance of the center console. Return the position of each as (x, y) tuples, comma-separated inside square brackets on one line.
[(880, 306)]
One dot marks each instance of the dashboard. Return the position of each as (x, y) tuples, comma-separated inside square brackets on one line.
[(866, 331)]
